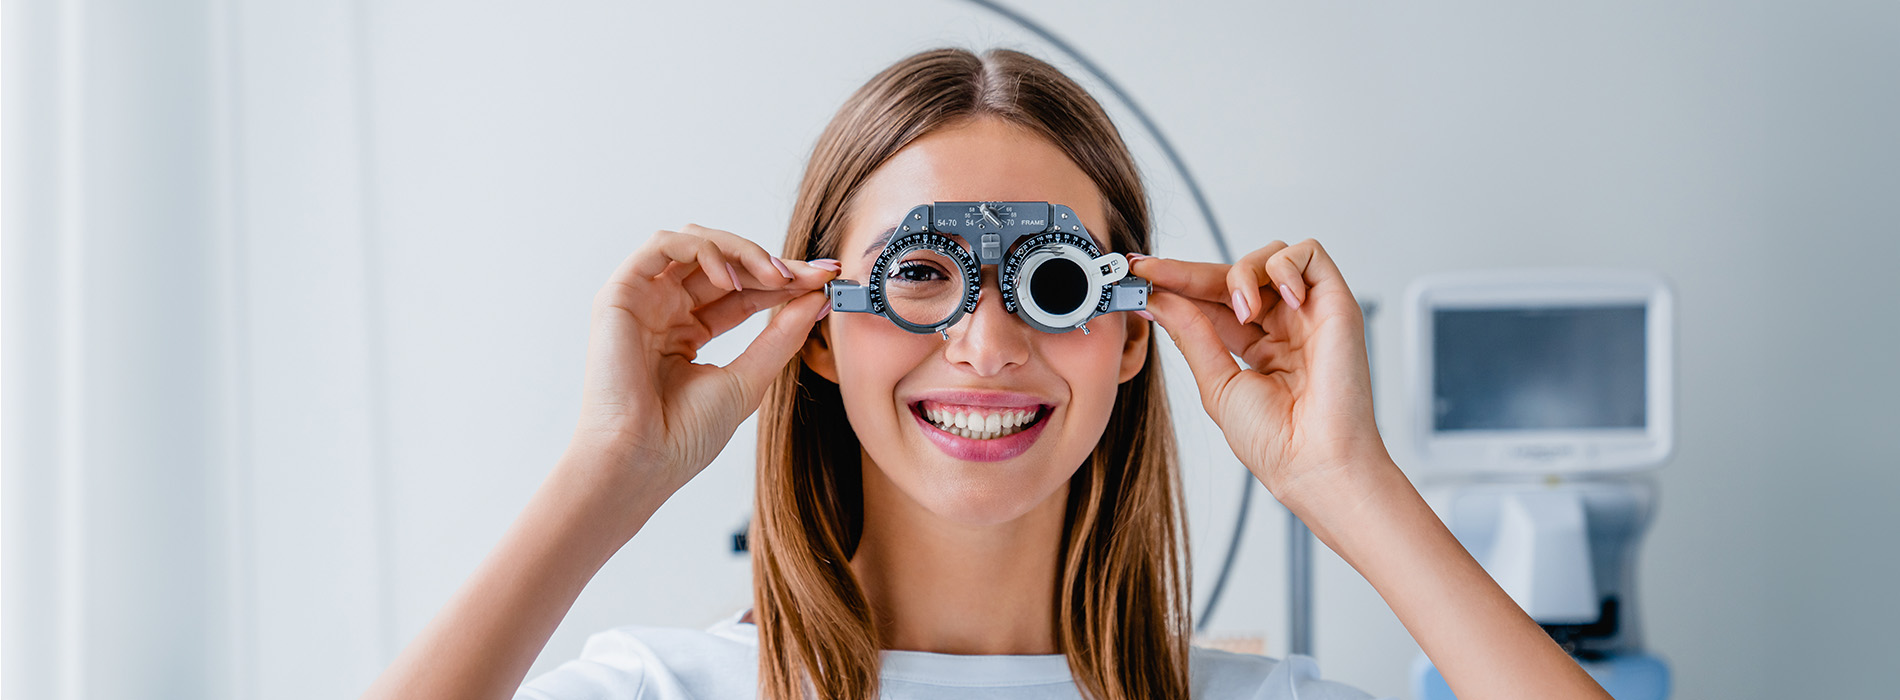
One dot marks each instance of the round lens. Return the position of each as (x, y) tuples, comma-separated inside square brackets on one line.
[(1059, 286), (923, 287)]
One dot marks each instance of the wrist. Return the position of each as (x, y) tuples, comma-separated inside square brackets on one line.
[(607, 485), (1342, 491)]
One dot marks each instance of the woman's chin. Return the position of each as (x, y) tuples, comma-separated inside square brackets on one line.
[(988, 502)]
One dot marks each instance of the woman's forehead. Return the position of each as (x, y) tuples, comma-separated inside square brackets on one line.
[(987, 161)]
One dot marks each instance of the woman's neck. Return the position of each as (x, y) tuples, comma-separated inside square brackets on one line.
[(956, 588)]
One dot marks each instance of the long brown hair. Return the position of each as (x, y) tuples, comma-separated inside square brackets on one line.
[(1121, 604)]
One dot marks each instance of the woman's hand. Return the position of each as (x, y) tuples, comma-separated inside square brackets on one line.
[(646, 402), (1302, 415), (1301, 420), (651, 418)]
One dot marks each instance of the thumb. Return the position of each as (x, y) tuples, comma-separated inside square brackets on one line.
[(1213, 367), (761, 362)]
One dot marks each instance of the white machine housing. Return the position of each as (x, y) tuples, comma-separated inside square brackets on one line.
[(1539, 398), (1478, 447)]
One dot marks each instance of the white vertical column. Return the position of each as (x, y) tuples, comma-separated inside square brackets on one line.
[(111, 467), (190, 409), (319, 589), (234, 656), (40, 615)]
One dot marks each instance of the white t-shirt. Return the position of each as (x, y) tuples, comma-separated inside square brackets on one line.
[(660, 663)]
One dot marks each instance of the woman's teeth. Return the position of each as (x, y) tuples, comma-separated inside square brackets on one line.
[(976, 425)]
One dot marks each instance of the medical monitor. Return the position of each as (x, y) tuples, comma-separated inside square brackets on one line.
[(1541, 371)]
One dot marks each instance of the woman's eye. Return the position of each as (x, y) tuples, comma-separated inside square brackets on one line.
[(917, 272)]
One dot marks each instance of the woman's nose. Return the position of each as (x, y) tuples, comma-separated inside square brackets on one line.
[(990, 339)]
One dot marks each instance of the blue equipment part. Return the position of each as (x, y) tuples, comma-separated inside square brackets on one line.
[(1625, 676)]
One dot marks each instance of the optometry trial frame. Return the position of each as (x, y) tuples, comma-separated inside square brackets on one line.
[(1049, 269)]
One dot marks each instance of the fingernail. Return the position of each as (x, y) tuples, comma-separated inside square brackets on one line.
[(734, 275), (824, 264), (1241, 312), (823, 311), (1134, 256), (782, 269), (1287, 294), (1144, 314)]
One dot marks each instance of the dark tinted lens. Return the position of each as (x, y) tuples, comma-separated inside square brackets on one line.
[(1059, 286)]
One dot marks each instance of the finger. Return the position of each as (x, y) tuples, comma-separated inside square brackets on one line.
[(806, 278), (1194, 334), (759, 365), (1287, 270), (735, 307), (629, 283), (1237, 336), (751, 263), (671, 246), (1204, 281), (821, 271), (1243, 282)]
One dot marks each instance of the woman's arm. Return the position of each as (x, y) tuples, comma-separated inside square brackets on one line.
[(651, 419), (482, 642), (1478, 637), (1300, 418)]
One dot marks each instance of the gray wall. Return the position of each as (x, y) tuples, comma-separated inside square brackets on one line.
[(295, 293)]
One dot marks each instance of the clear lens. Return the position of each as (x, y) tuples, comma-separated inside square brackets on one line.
[(923, 287)]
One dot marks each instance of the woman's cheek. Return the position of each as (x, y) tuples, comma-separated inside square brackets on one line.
[(1090, 365), (873, 356), (1085, 358)]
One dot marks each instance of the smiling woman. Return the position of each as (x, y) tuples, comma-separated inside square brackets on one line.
[(1037, 569), (975, 502)]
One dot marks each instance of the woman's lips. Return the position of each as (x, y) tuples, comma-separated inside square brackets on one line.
[(991, 450)]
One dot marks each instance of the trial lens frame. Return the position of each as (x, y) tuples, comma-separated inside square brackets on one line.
[(994, 231)]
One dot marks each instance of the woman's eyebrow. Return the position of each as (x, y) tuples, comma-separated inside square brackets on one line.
[(878, 244)]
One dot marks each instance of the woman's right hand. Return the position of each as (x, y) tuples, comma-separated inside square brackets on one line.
[(656, 414), (651, 418)]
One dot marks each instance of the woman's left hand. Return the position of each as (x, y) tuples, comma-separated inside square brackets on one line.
[(1301, 417)]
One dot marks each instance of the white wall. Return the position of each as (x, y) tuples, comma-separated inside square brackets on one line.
[(296, 293)]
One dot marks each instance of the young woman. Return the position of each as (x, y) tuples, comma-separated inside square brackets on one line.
[(1040, 556)]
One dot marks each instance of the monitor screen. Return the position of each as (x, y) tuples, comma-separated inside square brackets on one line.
[(1538, 368)]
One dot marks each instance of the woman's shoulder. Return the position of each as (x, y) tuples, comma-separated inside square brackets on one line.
[(661, 663), (1218, 674)]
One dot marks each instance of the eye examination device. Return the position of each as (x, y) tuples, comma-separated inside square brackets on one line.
[(1050, 272), (1540, 399)]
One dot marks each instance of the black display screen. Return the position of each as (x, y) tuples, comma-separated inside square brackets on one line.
[(1546, 368)]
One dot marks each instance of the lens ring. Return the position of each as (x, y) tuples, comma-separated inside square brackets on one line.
[(935, 243), (1053, 289), (1078, 249)]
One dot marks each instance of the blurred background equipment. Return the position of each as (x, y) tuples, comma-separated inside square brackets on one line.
[(1539, 398)]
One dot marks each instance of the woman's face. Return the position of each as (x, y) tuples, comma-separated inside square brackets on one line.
[(1042, 399)]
